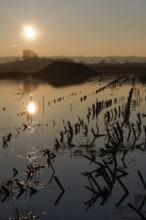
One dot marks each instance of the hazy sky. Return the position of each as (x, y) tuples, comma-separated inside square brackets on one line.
[(74, 27)]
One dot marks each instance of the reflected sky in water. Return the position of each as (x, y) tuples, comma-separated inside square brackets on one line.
[(45, 134)]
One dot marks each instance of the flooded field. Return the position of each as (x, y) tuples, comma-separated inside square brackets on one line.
[(74, 152)]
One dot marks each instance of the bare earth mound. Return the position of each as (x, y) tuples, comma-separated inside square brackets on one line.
[(64, 73)]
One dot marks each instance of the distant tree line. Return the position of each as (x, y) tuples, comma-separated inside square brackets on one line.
[(114, 62), (30, 61)]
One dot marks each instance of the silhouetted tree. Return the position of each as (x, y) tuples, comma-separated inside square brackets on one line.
[(27, 54)]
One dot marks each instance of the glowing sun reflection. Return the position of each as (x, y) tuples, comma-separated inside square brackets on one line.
[(31, 108)]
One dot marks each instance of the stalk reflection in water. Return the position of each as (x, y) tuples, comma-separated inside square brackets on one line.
[(96, 129)]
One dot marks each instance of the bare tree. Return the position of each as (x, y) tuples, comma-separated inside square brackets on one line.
[(27, 54)]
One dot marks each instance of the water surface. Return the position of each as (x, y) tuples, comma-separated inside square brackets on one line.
[(74, 152)]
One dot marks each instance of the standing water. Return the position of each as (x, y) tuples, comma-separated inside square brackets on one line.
[(74, 152)]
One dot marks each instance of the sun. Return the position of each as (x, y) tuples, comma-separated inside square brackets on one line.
[(29, 32)]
